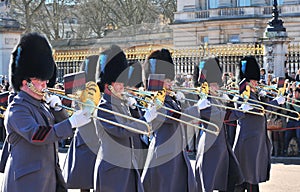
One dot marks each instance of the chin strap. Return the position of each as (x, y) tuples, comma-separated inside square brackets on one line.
[(33, 88), (116, 94)]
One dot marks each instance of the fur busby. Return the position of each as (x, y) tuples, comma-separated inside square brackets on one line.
[(160, 62), (89, 65), (112, 62), (32, 57), (211, 72), (249, 68), (52, 80), (134, 75)]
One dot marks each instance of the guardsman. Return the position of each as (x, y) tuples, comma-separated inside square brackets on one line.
[(252, 145), (167, 167), (135, 82), (216, 165), (116, 167), (78, 170), (32, 130)]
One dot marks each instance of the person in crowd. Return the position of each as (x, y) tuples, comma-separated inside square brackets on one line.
[(263, 76), (216, 165), (297, 76), (252, 145), (293, 103), (167, 167), (187, 81), (289, 77), (179, 79), (116, 166), (32, 125), (78, 170)]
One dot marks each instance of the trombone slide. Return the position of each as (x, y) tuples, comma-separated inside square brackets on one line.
[(107, 111), (216, 132)]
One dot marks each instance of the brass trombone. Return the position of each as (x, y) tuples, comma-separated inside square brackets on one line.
[(89, 103), (279, 92), (259, 107), (251, 104), (159, 103), (270, 105)]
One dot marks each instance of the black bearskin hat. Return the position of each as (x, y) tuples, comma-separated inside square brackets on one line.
[(249, 68), (134, 75), (160, 62), (211, 72), (112, 62), (32, 57), (89, 65), (52, 80)]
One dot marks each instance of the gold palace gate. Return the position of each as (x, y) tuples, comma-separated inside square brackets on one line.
[(184, 59)]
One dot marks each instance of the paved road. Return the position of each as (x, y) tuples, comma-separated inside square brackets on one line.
[(283, 177)]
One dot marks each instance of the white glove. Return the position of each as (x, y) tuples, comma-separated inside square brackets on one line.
[(203, 104), (131, 102), (179, 96), (80, 118), (54, 102), (262, 93), (245, 107), (235, 98), (280, 100), (226, 98), (150, 114)]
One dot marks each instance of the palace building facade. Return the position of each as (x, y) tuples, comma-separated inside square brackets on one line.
[(199, 22)]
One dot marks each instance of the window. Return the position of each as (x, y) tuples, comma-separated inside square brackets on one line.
[(212, 4), (280, 2), (234, 38), (242, 3)]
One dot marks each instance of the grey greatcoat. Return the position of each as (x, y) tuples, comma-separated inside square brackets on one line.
[(33, 153), (167, 166), (252, 145), (216, 164), (116, 167), (78, 170)]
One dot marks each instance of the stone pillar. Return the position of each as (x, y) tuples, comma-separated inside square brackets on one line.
[(10, 33), (275, 42), (275, 56), (8, 41), (225, 3)]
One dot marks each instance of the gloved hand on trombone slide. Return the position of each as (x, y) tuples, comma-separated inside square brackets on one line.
[(150, 113), (80, 118), (54, 102), (203, 104)]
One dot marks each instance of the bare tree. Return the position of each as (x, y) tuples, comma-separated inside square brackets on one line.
[(25, 10), (87, 18), (130, 12), (51, 22), (167, 8), (92, 15)]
